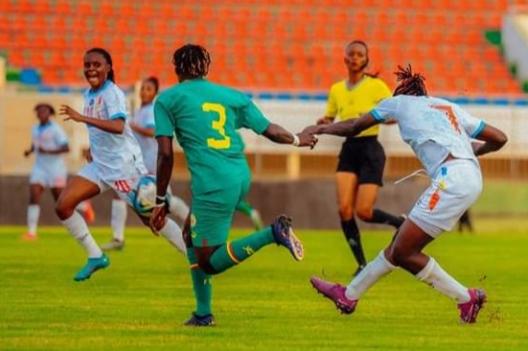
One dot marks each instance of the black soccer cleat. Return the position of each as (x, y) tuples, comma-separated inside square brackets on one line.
[(284, 236), (200, 321)]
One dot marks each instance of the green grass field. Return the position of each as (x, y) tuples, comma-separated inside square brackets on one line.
[(141, 300)]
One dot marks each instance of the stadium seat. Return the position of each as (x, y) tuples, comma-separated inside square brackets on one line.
[(277, 45)]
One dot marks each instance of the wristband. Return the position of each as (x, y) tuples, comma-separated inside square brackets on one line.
[(296, 141)]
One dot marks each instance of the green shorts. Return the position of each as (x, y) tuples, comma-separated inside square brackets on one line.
[(212, 214)]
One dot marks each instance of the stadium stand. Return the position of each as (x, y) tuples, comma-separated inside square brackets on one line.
[(273, 45)]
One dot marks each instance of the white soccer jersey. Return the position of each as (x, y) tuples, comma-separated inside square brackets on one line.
[(433, 127), (144, 117), (49, 136), (116, 156)]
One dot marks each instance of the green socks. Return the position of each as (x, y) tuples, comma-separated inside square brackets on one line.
[(234, 252), (245, 207), (201, 285)]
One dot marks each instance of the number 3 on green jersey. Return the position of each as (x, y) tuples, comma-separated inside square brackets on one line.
[(218, 125)]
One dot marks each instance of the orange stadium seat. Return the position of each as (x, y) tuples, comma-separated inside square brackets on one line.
[(263, 45)]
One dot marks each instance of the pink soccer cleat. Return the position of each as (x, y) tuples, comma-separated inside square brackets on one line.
[(469, 310), (336, 293)]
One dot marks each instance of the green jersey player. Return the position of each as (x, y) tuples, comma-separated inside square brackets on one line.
[(205, 117)]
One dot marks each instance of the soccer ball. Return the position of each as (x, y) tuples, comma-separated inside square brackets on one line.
[(144, 198)]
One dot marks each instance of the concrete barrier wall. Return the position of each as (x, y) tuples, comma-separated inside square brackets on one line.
[(312, 203)]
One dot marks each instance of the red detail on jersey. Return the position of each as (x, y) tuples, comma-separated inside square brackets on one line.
[(434, 199), (123, 186), (448, 111)]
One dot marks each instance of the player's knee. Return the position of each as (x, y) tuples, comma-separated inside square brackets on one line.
[(206, 266), (399, 255), (204, 255), (346, 212), (364, 213), (63, 210)]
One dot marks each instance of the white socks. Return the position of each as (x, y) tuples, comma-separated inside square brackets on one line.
[(178, 208), (435, 276), (432, 274), (79, 230), (374, 271), (118, 220), (172, 232), (33, 213)]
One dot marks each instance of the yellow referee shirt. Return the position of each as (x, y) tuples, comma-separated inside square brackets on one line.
[(346, 102)]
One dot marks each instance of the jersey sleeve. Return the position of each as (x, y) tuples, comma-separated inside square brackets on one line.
[(331, 104), (164, 124), (149, 121), (472, 125), (148, 118), (60, 137), (386, 109), (115, 104), (252, 118)]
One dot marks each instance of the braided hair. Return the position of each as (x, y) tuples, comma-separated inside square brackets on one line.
[(108, 59), (191, 61), (409, 83)]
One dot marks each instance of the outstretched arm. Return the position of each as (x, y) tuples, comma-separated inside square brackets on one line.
[(279, 135), (344, 128), (114, 126), (494, 139)]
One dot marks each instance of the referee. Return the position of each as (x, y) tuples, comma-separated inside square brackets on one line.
[(362, 159)]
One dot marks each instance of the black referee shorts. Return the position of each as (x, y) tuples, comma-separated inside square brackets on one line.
[(365, 157)]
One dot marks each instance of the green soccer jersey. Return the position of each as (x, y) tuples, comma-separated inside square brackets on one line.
[(205, 117)]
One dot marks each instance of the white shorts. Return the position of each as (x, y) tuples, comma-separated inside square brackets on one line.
[(124, 188), (455, 187), (55, 178)]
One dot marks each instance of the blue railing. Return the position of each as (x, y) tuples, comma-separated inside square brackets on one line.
[(495, 100)]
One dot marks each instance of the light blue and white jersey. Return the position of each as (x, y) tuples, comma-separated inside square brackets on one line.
[(49, 136), (116, 156), (433, 127), (144, 117)]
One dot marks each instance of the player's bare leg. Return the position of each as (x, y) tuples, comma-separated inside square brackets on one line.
[(405, 251), (367, 195)]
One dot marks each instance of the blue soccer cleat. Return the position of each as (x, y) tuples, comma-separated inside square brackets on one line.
[(284, 236), (93, 265), (200, 321)]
